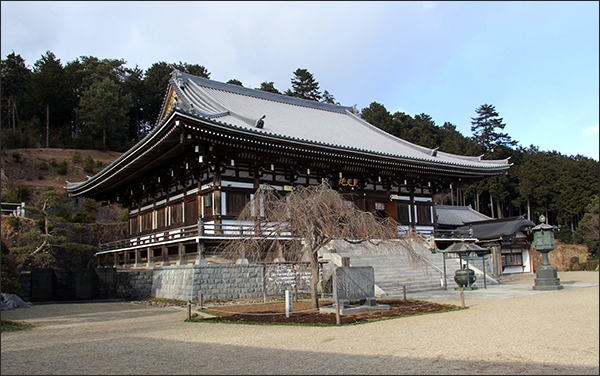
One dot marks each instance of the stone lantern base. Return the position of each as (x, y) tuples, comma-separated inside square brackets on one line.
[(547, 279)]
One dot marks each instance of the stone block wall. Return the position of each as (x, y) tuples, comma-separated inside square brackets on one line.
[(133, 285), (214, 282), (229, 282)]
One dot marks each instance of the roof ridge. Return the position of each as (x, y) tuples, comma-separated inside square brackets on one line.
[(178, 77)]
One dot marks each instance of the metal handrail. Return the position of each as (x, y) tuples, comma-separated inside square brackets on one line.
[(19, 211)]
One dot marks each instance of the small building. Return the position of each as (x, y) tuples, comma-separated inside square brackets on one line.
[(506, 237), (214, 144)]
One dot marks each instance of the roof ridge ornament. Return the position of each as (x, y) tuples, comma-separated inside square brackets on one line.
[(260, 123)]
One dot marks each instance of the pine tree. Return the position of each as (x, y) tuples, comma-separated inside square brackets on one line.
[(304, 86), (487, 127), (103, 108), (268, 86)]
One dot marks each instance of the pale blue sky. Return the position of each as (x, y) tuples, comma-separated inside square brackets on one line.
[(536, 62)]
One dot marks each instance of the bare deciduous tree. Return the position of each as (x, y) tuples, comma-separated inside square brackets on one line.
[(296, 226)]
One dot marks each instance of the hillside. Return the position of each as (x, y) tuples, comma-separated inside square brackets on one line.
[(27, 172), (25, 175)]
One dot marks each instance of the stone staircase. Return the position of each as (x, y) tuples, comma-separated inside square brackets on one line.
[(393, 270)]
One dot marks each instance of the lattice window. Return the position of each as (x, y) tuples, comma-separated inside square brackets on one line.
[(514, 258)]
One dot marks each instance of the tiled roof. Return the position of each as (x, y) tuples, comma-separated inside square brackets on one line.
[(458, 215), (483, 227), (304, 120), (498, 228)]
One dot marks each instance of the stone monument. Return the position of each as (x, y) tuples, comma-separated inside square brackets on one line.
[(354, 283)]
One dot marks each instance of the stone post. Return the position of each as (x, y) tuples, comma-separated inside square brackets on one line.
[(164, 256), (181, 254), (138, 263), (150, 259), (126, 260)]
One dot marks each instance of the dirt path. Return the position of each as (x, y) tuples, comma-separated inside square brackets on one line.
[(549, 333)]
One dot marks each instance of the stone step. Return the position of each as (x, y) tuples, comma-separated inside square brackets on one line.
[(392, 272)]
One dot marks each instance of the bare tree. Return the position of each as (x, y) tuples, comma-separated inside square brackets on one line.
[(296, 226)]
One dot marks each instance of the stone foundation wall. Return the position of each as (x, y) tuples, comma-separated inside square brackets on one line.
[(214, 282), (134, 285)]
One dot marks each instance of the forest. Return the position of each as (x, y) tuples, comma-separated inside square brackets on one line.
[(92, 103)]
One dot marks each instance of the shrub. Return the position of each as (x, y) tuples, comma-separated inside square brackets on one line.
[(23, 193), (53, 162), (16, 155), (125, 216), (90, 207), (81, 217), (13, 222), (62, 168), (89, 165), (76, 157), (43, 165), (11, 196), (590, 265), (88, 212), (40, 177)]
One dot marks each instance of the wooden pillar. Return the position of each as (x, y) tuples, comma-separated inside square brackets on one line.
[(217, 202), (413, 210)]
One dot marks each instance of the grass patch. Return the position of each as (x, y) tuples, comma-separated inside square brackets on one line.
[(15, 326), (170, 302)]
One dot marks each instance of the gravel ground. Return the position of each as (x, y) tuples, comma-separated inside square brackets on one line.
[(547, 333)]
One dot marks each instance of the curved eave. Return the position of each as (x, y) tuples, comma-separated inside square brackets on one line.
[(276, 139), (131, 164), (137, 160)]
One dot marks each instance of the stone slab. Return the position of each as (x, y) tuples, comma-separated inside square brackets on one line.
[(354, 283)]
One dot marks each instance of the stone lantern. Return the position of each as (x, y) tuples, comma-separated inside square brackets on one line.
[(546, 275)]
